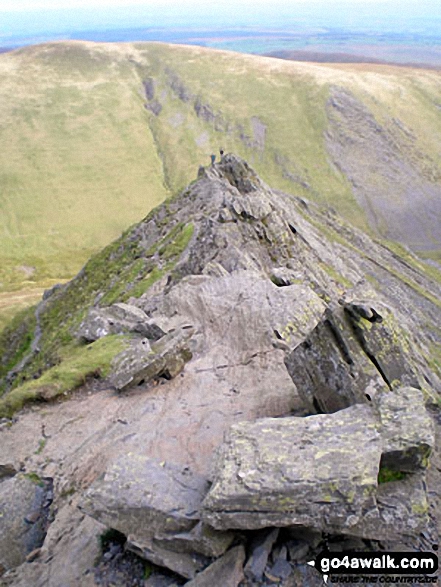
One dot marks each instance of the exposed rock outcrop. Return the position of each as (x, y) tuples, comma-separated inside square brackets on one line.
[(276, 401)]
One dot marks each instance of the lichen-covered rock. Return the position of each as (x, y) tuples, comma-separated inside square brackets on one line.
[(118, 319), (142, 362), (22, 519), (356, 352), (382, 340), (407, 430), (318, 471), (330, 369), (402, 511)]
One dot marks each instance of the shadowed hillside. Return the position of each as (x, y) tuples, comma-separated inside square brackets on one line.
[(97, 135)]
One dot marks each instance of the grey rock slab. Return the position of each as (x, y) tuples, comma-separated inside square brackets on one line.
[(156, 506), (202, 539), (145, 498), (315, 471), (298, 551), (70, 550), (22, 528), (184, 564), (249, 208), (226, 571), (407, 430), (260, 549), (142, 362), (280, 570)]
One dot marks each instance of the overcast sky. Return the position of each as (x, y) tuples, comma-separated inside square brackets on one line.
[(40, 20), (27, 5)]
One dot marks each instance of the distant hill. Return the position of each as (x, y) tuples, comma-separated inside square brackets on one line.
[(322, 57), (96, 135), (340, 57)]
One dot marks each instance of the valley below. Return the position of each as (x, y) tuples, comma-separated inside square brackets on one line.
[(97, 135)]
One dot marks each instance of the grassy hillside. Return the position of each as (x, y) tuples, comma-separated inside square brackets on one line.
[(96, 135)]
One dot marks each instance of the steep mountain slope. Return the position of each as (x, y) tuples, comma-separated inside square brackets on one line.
[(237, 321), (98, 134)]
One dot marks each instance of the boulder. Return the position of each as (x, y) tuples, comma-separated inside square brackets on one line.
[(156, 505), (142, 362), (118, 319), (317, 471), (244, 313), (23, 518), (407, 430), (145, 498)]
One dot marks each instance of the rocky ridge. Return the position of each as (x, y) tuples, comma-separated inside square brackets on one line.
[(276, 394)]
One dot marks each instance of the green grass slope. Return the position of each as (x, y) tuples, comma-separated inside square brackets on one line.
[(95, 135)]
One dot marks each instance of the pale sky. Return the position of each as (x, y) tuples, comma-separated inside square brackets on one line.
[(27, 5)]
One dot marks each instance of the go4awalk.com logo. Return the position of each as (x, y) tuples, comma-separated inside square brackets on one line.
[(393, 568)]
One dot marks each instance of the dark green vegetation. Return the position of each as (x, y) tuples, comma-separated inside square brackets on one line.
[(78, 365), (98, 135), (386, 475)]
